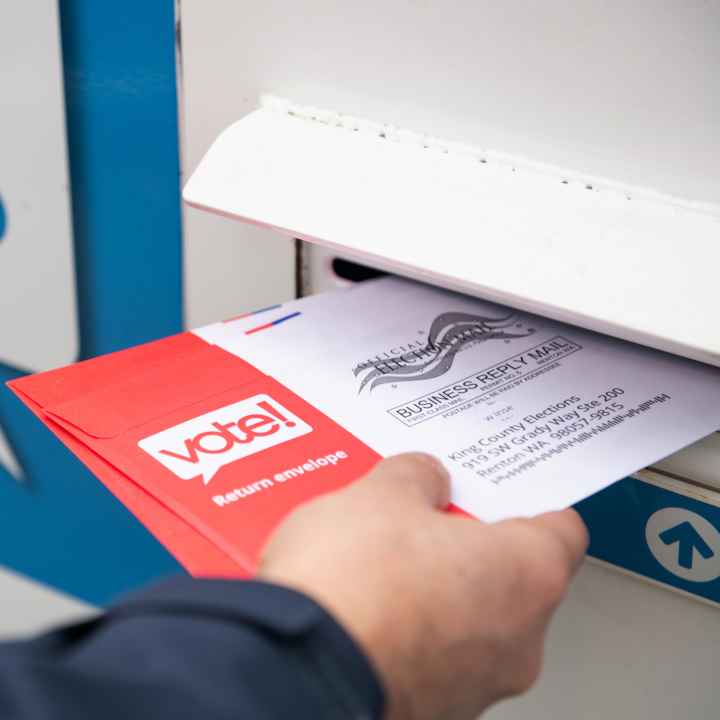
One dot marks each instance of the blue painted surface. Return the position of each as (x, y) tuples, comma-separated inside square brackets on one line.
[(617, 518), (61, 526), (3, 222), (125, 172)]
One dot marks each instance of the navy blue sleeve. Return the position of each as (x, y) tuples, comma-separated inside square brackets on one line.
[(210, 649)]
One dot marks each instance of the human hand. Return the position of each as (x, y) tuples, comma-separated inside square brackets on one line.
[(452, 612)]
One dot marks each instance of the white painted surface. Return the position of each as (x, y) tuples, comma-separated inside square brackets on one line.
[(700, 462), (38, 326), (602, 258), (622, 90), (621, 648), (29, 607), (227, 268)]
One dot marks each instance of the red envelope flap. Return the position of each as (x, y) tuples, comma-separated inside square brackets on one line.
[(66, 383), (194, 552), (253, 487), (155, 391), (208, 488)]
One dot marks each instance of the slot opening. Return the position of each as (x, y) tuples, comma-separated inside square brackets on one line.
[(354, 272)]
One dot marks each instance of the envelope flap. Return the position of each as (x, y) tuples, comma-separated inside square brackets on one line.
[(67, 383), (155, 391), (198, 555)]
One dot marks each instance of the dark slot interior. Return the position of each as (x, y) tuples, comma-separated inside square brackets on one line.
[(354, 272)]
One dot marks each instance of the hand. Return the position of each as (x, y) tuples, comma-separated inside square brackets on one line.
[(451, 611)]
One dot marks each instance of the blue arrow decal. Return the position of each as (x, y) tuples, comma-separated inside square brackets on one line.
[(688, 539)]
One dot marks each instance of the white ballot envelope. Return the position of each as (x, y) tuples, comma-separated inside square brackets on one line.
[(528, 415), (212, 437)]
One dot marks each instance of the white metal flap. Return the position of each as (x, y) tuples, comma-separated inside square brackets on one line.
[(620, 261)]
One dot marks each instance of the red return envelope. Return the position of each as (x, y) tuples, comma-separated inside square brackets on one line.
[(182, 433)]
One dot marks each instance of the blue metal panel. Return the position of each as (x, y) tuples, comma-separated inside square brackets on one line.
[(61, 526), (3, 223), (124, 165), (618, 517)]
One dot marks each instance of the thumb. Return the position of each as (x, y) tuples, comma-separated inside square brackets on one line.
[(410, 477)]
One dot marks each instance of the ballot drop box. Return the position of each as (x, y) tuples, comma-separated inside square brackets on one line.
[(557, 158)]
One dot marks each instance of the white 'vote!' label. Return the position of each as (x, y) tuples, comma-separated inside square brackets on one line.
[(206, 443)]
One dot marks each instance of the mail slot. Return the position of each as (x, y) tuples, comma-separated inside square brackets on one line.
[(452, 167)]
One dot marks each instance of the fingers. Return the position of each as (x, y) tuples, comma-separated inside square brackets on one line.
[(412, 477), (567, 526)]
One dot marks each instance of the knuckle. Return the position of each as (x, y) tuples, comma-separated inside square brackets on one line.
[(554, 583), (417, 473), (527, 672), (544, 568), (580, 529), (415, 464), (520, 670)]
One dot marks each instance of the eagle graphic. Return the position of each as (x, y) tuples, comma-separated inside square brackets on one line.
[(449, 333)]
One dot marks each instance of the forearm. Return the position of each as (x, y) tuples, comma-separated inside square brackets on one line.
[(210, 649)]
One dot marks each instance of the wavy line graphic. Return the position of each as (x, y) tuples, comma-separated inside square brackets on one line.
[(449, 333)]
